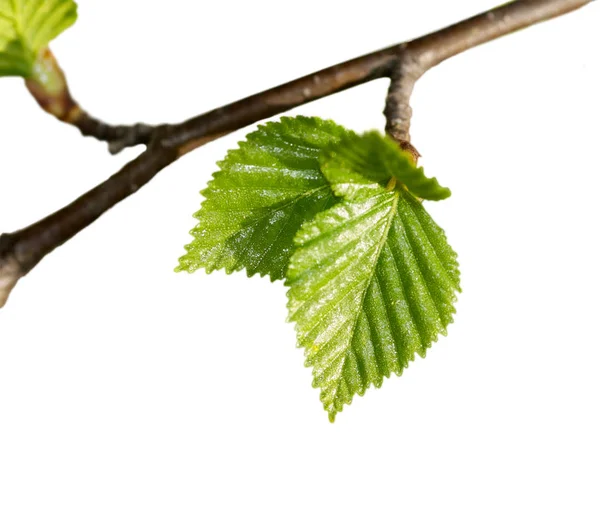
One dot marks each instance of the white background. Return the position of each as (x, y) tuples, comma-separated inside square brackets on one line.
[(131, 394)]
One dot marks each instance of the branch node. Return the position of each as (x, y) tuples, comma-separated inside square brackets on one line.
[(130, 136)]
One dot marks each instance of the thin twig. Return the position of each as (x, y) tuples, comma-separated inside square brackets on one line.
[(398, 111), (117, 137), (403, 63), (50, 89)]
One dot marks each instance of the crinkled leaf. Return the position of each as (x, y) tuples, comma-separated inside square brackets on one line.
[(356, 165), (262, 194), (26, 27), (372, 282)]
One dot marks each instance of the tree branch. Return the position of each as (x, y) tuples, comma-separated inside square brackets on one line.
[(404, 64)]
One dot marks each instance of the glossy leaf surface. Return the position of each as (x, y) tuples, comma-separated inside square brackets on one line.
[(265, 190), (372, 283)]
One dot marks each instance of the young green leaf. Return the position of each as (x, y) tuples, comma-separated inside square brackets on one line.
[(28, 26), (371, 158), (372, 282), (263, 193)]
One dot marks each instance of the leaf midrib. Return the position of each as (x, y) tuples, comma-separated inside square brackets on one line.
[(382, 243)]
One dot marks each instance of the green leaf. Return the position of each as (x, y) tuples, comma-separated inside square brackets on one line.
[(373, 282), (357, 163), (27, 27), (263, 193)]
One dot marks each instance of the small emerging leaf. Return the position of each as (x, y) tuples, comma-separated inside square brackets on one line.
[(357, 163), (27, 27), (373, 282), (263, 193)]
